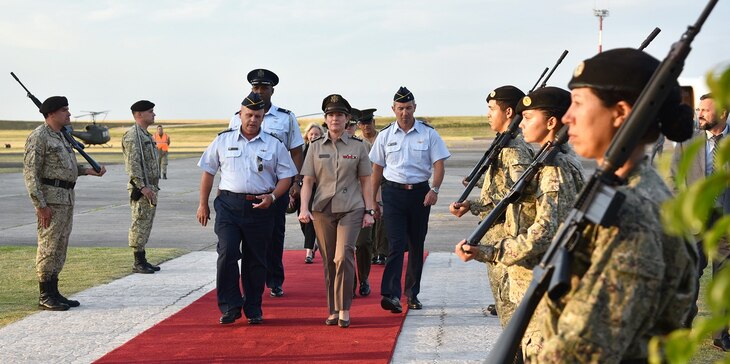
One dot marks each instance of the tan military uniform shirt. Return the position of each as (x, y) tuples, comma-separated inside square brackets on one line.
[(133, 158), (337, 166), (49, 155)]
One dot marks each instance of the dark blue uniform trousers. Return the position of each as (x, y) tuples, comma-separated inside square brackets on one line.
[(238, 224), (406, 223), (275, 252)]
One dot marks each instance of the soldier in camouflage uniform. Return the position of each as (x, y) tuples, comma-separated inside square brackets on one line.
[(557, 185), (514, 158), (140, 162), (629, 281), (50, 171)]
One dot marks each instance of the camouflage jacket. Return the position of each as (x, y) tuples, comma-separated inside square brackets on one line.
[(629, 282), (133, 160), (514, 158), (558, 184), (49, 155)]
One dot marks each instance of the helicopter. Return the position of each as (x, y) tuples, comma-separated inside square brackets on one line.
[(94, 134)]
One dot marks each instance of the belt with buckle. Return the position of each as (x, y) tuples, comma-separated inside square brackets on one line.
[(245, 196), (58, 183), (403, 186)]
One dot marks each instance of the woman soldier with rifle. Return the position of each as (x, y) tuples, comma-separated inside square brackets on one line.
[(544, 203)]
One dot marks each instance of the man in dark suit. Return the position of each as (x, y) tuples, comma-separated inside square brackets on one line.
[(713, 128)]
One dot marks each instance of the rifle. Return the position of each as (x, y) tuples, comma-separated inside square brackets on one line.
[(65, 130), (546, 155), (499, 142), (598, 202)]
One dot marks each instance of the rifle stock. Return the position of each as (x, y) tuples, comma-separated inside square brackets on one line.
[(598, 202), (65, 131)]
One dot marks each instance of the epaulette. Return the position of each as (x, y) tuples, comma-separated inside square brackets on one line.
[(283, 110), (237, 112), (318, 138), (227, 130), (426, 124), (274, 136), (355, 137), (387, 126)]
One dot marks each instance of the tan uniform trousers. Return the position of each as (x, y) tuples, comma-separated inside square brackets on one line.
[(53, 242), (337, 234)]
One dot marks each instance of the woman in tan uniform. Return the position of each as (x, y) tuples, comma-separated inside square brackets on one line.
[(338, 163)]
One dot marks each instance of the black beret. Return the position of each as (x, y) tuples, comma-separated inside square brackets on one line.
[(253, 101), (262, 76), (403, 95), (367, 115), (621, 69), (142, 105), (553, 98), (53, 103), (507, 93), (335, 103)]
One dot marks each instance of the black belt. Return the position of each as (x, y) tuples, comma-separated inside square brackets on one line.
[(406, 186), (58, 183), (245, 196)]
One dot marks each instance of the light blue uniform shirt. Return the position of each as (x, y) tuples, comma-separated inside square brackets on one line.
[(247, 166), (280, 123), (408, 157)]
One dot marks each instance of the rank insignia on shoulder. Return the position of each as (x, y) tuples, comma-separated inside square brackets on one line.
[(349, 156), (283, 110), (426, 124), (355, 137), (274, 135), (387, 126), (225, 131), (237, 112), (317, 138)]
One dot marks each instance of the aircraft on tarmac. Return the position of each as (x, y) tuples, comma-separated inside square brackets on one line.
[(95, 133)]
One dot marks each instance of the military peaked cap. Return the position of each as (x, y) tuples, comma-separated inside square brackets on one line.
[(367, 116), (403, 95), (253, 101), (335, 103), (53, 103), (262, 76), (553, 98), (142, 105)]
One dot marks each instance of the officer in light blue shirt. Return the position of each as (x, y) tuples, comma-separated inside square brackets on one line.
[(405, 155), (282, 124), (256, 171)]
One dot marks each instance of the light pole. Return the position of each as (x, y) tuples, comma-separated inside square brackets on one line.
[(600, 13)]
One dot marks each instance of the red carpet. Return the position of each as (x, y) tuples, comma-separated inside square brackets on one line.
[(293, 328)]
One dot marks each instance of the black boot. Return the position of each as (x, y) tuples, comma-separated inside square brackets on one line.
[(148, 264), (164, 176), (60, 297), (139, 264), (48, 300)]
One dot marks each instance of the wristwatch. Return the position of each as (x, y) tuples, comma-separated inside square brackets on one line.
[(370, 212), (435, 190)]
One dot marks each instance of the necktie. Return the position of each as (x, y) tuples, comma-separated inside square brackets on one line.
[(714, 141)]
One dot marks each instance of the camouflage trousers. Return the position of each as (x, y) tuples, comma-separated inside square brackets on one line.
[(499, 282), (162, 161), (143, 213), (53, 242)]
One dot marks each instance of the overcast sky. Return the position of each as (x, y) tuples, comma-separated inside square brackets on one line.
[(191, 57)]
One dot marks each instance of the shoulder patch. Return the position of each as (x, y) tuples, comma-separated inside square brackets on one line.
[(279, 109), (387, 126), (355, 137), (426, 124), (274, 136), (225, 131)]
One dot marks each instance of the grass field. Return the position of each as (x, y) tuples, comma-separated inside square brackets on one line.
[(190, 137)]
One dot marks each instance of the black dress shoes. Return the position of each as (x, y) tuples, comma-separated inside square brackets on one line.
[(256, 320), (331, 322), (364, 288), (414, 303), (492, 309), (230, 316), (391, 304), (276, 292), (343, 323), (722, 344)]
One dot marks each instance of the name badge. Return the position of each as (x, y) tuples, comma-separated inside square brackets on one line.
[(232, 148), (324, 155), (392, 143)]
